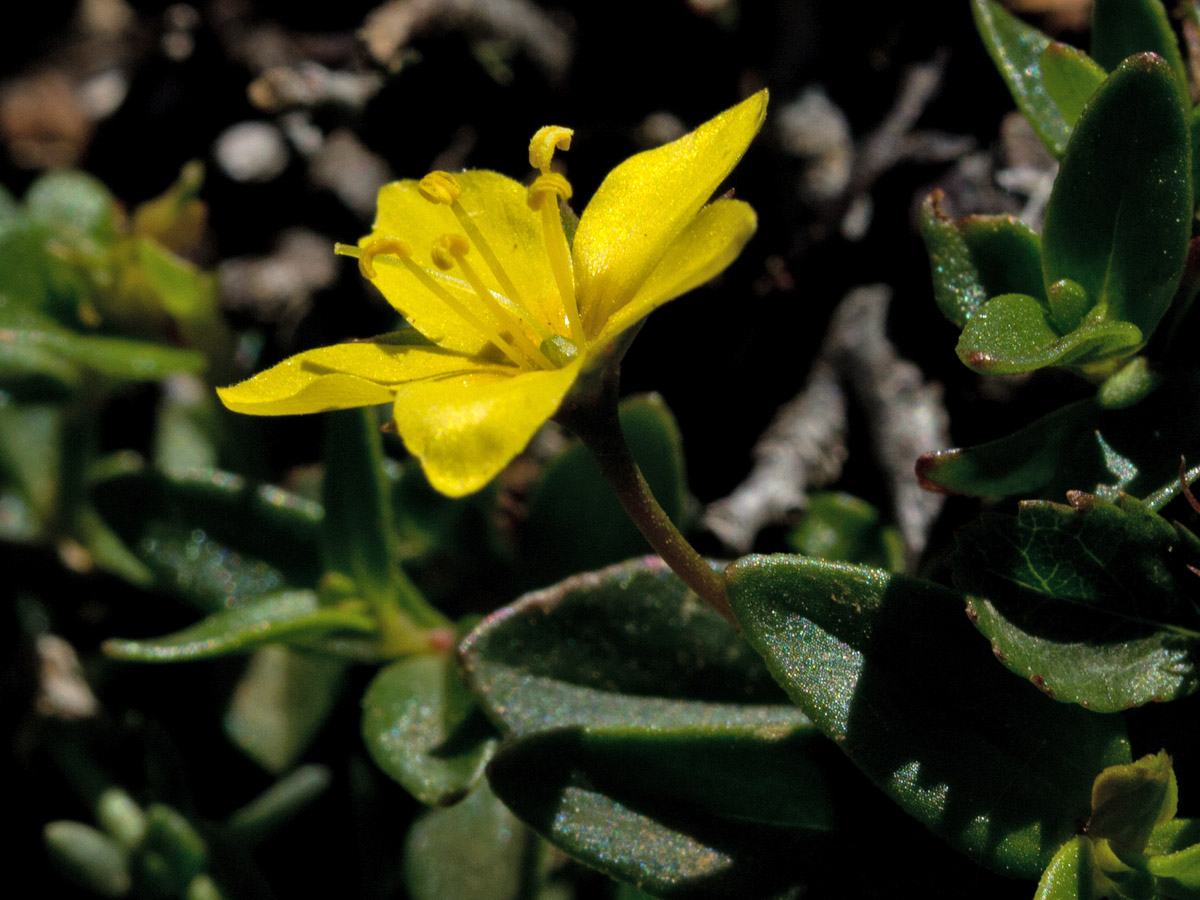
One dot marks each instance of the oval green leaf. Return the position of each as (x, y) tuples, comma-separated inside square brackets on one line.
[(1078, 447), (424, 732), (1125, 28), (1071, 77), (666, 849), (1016, 49), (1119, 217), (280, 703), (1012, 333), (598, 648), (889, 668), (1069, 875), (1088, 601), (213, 538), (474, 850)]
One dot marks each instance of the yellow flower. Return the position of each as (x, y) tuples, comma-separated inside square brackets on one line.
[(506, 312)]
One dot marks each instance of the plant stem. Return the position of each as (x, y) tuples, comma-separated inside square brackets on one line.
[(599, 427)]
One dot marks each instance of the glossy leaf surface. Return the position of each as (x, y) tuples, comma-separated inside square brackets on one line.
[(1069, 875), (1093, 602), (1013, 333), (423, 730), (600, 647), (664, 848), (626, 700), (1016, 48), (294, 616), (1081, 446), (214, 538), (1124, 28), (876, 660), (1071, 77), (1118, 221)]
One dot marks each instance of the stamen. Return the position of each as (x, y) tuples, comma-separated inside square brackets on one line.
[(444, 188), (391, 246), (453, 248), (440, 187), (488, 330), (544, 194), (400, 249), (548, 139)]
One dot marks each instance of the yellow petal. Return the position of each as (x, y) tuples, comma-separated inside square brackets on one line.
[(342, 376), (701, 251), (497, 206), (645, 202), (290, 389), (465, 429), (399, 357)]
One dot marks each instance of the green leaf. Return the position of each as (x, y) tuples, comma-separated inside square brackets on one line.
[(1070, 874), (74, 205), (280, 704), (1016, 49), (1081, 596), (115, 357), (878, 660), (357, 535), (978, 257), (213, 538), (88, 857), (958, 287), (1124, 28), (1194, 125), (762, 765), (291, 617), (603, 647), (654, 697), (575, 522), (279, 804), (1007, 254), (1078, 447), (1130, 800), (424, 731), (665, 849), (1119, 217), (171, 854), (30, 457), (1012, 333), (1178, 873), (1071, 78), (843, 528), (32, 343), (474, 850), (1091, 663), (1116, 556)]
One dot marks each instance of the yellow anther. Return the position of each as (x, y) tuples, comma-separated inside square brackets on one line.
[(447, 249), (380, 246), (546, 184), (548, 139), (440, 187)]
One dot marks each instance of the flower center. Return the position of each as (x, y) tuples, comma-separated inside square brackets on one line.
[(503, 319)]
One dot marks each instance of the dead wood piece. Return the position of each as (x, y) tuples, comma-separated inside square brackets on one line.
[(804, 447)]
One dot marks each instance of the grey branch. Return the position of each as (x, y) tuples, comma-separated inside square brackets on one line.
[(805, 447)]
